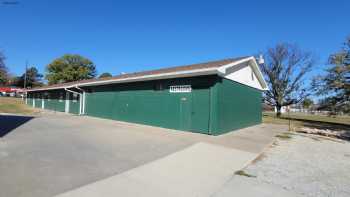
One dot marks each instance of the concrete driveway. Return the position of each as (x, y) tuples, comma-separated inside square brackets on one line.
[(54, 153)]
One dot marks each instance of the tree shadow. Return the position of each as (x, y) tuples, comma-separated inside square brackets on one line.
[(10, 122)]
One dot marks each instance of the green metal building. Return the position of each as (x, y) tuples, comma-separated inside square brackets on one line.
[(211, 98)]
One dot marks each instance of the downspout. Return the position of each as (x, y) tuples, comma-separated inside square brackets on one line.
[(210, 112), (83, 98), (67, 104), (80, 95)]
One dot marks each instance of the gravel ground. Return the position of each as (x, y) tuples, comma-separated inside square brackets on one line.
[(307, 166)]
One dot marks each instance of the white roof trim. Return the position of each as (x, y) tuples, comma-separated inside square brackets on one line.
[(259, 74), (198, 72), (223, 68)]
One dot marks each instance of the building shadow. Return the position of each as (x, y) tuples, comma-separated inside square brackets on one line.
[(10, 122)]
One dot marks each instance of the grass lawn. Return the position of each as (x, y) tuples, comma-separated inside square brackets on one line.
[(308, 120), (15, 106)]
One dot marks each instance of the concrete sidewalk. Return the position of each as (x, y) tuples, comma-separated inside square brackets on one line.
[(199, 170)]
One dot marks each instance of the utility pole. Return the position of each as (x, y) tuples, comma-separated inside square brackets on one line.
[(25, 75)]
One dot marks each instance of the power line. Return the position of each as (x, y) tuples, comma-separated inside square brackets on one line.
[(25, 75)]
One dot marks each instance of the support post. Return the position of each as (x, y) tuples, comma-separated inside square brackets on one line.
[(80, 99), (42, 101), (66, 109)]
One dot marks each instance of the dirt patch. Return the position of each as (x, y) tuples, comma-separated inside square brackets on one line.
[(243, 173), (284, 136), (306, 166), (339, 134)]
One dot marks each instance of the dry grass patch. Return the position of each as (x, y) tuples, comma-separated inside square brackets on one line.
[(15, 106), (302, 118)]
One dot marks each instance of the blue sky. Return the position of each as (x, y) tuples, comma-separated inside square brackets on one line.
[(128, 36)]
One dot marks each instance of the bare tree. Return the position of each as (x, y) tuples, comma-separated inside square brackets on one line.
[(284, 69)]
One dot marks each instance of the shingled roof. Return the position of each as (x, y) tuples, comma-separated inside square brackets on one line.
[(145, 74)]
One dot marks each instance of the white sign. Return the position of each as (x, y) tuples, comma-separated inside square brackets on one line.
[(180, 88)]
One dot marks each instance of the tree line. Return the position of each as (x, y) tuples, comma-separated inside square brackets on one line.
[(285, 69), (64, 69)]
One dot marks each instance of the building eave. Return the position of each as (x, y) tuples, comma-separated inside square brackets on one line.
[(191, 73), (221, 70)]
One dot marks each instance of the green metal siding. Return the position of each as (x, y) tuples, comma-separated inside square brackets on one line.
[(142, 103), (59, 100), (214, 106), (53, 101), (38, 102), (234, 106), (30, 99), (214, 115), (74, 105)]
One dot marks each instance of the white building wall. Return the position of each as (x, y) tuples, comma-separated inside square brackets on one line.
[(284, 109), (246, 76)]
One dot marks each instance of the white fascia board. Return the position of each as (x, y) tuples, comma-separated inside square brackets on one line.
[(222, 69), (251, 60), (66, 89), (190, 73), (52, 88), (260, 75)]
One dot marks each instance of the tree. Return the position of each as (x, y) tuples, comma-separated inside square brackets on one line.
[(335, 84), (3, 70), (307, 103), (284, 69), (104, 75), (70, 68), (33, 78)]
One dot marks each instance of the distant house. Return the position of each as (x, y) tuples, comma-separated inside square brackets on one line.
[(293, 108), (284, 109), (10, 91), (211, 98)]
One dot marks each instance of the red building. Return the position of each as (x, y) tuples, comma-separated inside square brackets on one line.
[(10, 91)]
